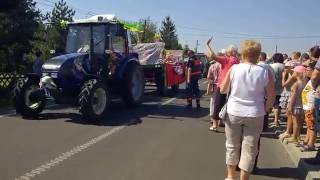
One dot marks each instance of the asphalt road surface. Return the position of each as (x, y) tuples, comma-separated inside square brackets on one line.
[(160, 139)]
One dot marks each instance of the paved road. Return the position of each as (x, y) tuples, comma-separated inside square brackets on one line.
[(158, 140)]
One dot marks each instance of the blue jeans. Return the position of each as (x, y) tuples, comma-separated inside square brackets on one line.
[(193, 89)]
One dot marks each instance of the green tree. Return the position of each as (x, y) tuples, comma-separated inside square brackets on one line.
[(168, 34), (148, 34), (19, 22), (56, 34)]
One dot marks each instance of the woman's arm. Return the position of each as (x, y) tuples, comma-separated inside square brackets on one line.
[(224, 87), (270, 93), (211, 55), (287, 82), (315, 78)]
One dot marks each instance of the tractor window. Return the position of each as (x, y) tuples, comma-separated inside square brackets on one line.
[(117, 39), (99, 39), (78, 39)]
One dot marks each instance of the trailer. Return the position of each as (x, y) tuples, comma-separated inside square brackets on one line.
[(162, 68)]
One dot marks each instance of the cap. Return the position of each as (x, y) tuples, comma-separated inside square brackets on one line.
[(299, 69)]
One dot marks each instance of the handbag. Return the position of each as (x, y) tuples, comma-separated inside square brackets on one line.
[(223, 111)]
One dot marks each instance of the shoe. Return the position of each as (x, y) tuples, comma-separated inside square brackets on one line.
[(307, 148), (283, 136), (301, 144), (213, 128)]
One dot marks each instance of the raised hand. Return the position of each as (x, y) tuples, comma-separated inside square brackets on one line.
[(209, 41)]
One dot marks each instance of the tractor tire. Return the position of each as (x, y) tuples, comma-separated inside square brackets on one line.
[(133, 85), (21, 98), (94, 100)]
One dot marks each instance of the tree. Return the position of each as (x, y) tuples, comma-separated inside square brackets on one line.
[(148, 34), (19, 22), (56, 33), (168, 34)]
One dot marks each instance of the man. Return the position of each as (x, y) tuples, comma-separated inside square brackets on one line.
[(263, 62), (194, 66), (37, 63)]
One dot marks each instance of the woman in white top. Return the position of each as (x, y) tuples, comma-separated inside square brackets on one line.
[(252, 94)]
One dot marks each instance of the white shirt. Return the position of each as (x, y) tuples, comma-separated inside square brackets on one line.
[(248, 84), (278, 69)]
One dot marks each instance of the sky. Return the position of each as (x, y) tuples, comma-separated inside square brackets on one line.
[(291, 25)]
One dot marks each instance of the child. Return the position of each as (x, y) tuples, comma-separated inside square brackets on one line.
[(287, 81), (213, 75), (294, 107)]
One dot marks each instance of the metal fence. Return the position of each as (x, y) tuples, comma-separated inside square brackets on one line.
[(7, 82)]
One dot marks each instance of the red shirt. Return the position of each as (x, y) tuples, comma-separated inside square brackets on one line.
[(226, 63)]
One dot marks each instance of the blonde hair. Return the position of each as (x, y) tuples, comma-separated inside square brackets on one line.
[(250, 50)]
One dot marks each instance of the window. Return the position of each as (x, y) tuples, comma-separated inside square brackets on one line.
[(98, 38)]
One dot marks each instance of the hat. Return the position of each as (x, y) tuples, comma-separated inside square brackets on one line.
[(223, 51), (299, 69)]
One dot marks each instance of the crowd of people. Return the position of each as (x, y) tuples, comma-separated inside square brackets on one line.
[(252, 86)]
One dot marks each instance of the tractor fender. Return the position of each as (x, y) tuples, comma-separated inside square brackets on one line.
[(132, 59), (34, 77), (90, 76)]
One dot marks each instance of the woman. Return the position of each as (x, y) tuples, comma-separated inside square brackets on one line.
[(250, 84), (226, 63)]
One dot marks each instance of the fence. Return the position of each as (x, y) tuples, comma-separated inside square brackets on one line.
[(7, 81)]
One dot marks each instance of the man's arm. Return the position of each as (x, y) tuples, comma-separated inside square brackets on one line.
[(211, 55)]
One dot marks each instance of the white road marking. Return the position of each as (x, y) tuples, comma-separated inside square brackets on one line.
[(167, 102), (68, 154)]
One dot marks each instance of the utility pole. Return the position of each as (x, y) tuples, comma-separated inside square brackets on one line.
[(144, 31), (196, 48), (276, 48)]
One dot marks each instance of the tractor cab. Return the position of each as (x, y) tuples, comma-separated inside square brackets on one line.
[(101, 37)]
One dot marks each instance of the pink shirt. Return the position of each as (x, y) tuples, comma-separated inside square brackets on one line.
[(226, 63), (214, 72)]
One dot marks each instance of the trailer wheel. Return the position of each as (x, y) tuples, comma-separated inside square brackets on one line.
[(94, 100), (28, 99), (162, 89), (133, 85)]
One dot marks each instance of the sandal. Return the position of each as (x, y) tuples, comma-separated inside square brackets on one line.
[(301, 144), (307, 148), (283, 136)]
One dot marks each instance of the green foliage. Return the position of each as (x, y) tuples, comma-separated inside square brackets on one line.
[(56, 33), (168, 34), (149, 29), (19, 22)]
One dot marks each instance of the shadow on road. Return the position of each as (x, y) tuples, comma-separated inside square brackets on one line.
[(282, 172)]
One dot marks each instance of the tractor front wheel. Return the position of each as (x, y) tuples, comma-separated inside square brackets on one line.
[(28, 99), (94, 100)]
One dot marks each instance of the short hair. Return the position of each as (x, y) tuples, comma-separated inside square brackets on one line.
[(264, 55), (305, 56), (296, 55), (315, 51), (250, 50), (38, 53), (278, 58), (285, 56)]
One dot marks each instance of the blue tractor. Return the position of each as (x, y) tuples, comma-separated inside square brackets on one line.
[(97, 63)]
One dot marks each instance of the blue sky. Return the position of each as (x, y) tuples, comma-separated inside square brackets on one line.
[(287, 23)]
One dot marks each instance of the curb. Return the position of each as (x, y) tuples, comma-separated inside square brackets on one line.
[(311, 172)]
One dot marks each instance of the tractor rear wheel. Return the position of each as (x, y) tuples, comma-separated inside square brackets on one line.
[(94, 100), (134, 85), (28, 99)]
